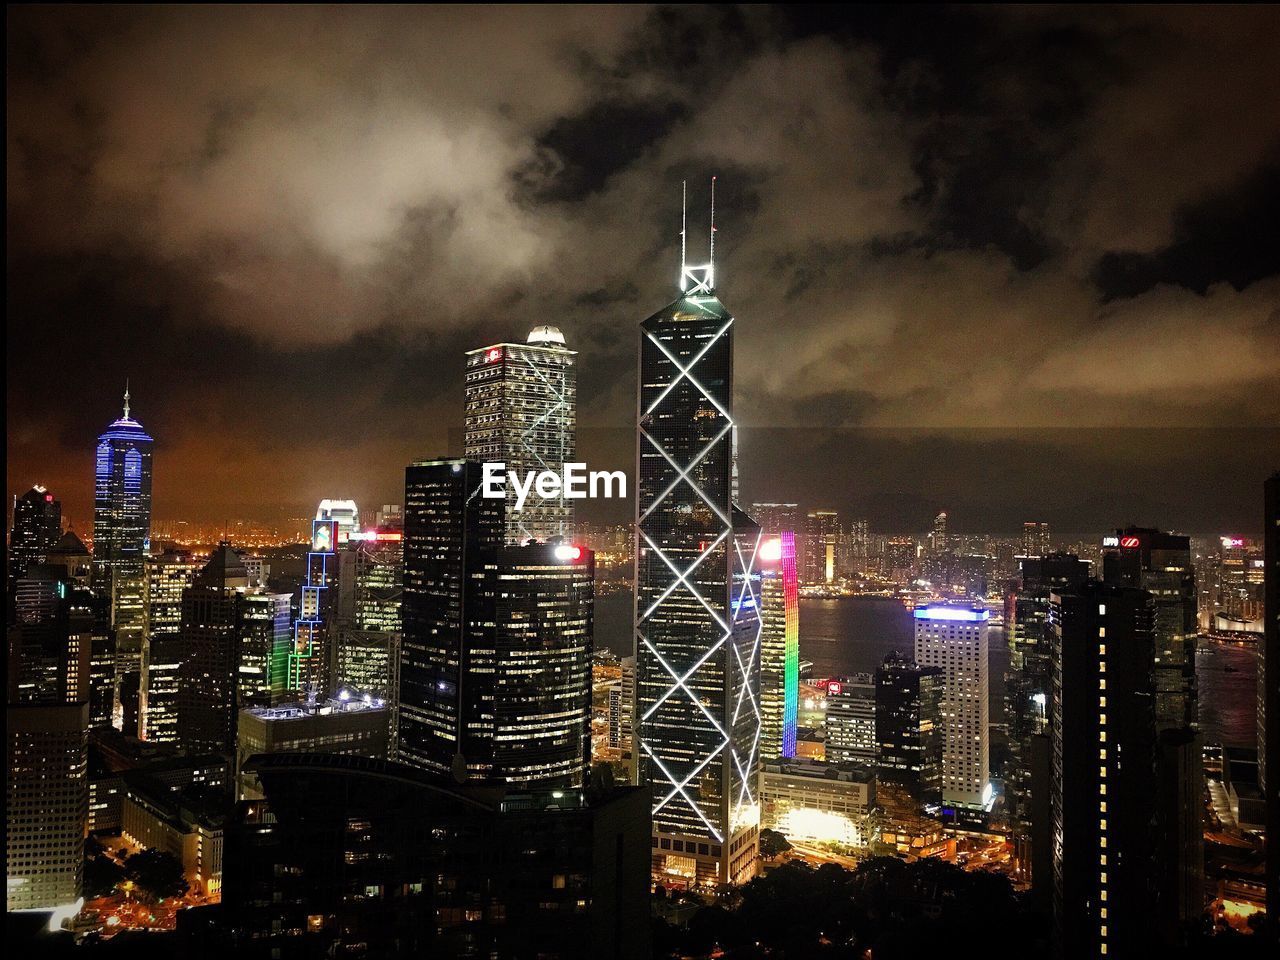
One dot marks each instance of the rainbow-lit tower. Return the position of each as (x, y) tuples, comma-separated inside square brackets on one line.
[(697, 586), (779, 645)]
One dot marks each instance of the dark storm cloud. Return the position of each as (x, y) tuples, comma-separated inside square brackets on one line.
[(286, 224)]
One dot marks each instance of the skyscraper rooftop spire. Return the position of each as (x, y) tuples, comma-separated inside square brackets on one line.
[(697, 279), (126, 398)]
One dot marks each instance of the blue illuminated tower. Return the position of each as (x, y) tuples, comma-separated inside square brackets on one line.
[(697, 622), (121, 541)]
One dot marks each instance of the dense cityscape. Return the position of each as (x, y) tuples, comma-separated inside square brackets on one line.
[(526, 706)]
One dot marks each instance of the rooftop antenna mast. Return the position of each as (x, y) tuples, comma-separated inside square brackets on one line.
[(698, 280), (126, 398), (711, 261), (684, 216)]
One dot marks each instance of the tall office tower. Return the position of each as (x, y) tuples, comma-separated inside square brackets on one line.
[(535, 610), (166, 578), (908, 727), (697, 624), (448, 530), (370, 593), (851, 719), (1035, 538), (207, 677), (46, 804), (343, 512), (1103, 781), (37, 527), (938, 538), (779, 646), (495, 675), (1269, 699), (121, 541), (1160, 563), (1027, 679), (265, 637), (521, 410), (309, 662), (954, 640), (858, 548), (46, 745), (70, 552), (821, 546)]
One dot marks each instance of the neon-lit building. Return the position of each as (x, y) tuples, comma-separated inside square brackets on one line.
[(954, 639), (697, 586), (309, 659), (345, 512), (779, 646), (121, 541), (521, 410)]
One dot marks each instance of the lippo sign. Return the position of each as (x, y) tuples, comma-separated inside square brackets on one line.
[(574, 482)]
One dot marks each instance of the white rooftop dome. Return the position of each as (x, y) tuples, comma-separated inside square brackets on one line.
[(546, 334)]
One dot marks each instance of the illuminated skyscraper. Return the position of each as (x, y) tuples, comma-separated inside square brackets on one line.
[(779, 646), (851, 719), (521, 410), (821, 546), (167, 578), (37, 525), (954, 640), (697, 584), (46, 741), (495, 674), (370, 592), (938, 538), (1035, 538), (121, 540)]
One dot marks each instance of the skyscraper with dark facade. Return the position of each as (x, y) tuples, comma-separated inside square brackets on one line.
[(495, 675), (37, 526), (1160, 563), (1027, 683), (521, 410), (908, 725), (1103, 780), (697, 583), (121, 539)]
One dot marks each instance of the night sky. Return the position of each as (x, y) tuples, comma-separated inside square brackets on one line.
[(1012, 263)]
